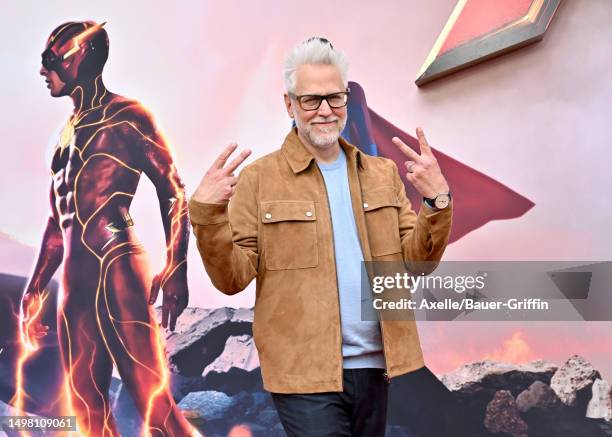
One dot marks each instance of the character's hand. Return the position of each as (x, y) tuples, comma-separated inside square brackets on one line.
[(217, 185), (423, 170), (175, 298), (31, 327)]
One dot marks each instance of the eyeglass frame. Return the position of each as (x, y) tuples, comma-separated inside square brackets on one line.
[(321, 98)]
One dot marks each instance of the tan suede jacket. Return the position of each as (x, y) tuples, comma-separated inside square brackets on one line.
[(277, 227)]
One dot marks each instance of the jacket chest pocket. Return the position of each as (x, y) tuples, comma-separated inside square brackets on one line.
[(289, 234), (381, 209)]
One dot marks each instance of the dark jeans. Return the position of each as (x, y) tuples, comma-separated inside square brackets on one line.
[(360, 410)]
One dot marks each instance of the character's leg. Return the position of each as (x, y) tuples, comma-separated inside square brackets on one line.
[(88, 368), (128, 323)]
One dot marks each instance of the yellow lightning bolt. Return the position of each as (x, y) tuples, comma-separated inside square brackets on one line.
[(77, 40)]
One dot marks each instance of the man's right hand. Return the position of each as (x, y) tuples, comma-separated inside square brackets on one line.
[(218, 183)]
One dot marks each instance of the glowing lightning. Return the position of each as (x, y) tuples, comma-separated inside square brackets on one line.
[(77, 40)]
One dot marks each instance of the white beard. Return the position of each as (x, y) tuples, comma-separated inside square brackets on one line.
[(326, 139)]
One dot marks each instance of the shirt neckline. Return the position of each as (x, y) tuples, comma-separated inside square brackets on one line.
[(338, 163)]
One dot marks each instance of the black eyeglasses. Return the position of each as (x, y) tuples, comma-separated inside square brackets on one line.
[(312, 102)]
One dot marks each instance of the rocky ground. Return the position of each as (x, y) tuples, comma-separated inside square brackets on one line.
[(217, 383)]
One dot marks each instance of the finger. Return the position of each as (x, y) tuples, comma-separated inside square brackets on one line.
[(38, 334), (181, 305), (155, 286), (405, 149), (232, 166), (165, 313), (223, 157), (409, 166), (173, 316), (38, 326), (424, 145)]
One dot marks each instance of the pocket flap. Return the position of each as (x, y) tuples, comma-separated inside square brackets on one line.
[(379, 198), (287, 210)]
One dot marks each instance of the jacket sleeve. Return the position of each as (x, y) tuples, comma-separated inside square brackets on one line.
[(226, 237), (424, 236)]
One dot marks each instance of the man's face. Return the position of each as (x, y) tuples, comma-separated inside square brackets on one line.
[(321, 127), (55, 84)]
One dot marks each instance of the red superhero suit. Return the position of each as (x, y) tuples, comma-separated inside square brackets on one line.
[(104, 318)]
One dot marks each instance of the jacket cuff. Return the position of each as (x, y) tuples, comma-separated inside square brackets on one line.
[(433, 219), (207, 213)]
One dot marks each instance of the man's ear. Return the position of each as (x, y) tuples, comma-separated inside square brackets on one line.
[(288, 105)]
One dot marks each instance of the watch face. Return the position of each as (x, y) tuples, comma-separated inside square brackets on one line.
[(442, 201)]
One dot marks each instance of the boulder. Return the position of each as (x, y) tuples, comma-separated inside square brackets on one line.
[(236, 368), (201, 334), (239, 353), (538, 395), (502, 415), (208, 405), (475, 376), (600, 405), (572, 382)]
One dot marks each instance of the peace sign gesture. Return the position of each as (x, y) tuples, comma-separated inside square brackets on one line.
[(218, 183), (423, 170)]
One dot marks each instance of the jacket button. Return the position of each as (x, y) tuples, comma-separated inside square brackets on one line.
[(268, 215), (365, 205), (308, 213)]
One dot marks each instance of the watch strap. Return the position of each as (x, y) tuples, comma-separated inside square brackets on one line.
[(430, 202)]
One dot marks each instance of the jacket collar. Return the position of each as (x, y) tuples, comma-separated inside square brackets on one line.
[(299, 157)]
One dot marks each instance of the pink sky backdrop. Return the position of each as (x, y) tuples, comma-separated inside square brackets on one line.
[(536, 120)]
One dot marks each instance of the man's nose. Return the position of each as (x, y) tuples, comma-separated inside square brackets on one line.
[(43, 70), (325, 110)]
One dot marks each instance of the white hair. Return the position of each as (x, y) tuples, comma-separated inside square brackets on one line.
[(314, 51)]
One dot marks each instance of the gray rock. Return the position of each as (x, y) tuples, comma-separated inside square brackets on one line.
[(197, 322), (239, 352), (502, 415), (538, 395), (201, 335), (207, 405), (600, 405), (572, 381), (477, 373)]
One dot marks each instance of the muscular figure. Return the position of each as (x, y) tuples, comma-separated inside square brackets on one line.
[(103, 317)]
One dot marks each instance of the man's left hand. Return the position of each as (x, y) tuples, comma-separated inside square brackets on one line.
[(423, 170), (173, 282)]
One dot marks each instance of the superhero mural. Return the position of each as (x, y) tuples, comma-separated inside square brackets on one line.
[(103, 314)]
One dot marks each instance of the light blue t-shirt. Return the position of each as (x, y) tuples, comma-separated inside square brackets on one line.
[(361, 340)]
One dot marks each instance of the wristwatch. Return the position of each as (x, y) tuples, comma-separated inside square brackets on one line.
[(439, 202)]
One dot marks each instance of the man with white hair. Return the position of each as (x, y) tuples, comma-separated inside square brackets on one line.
[(302, 220)]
